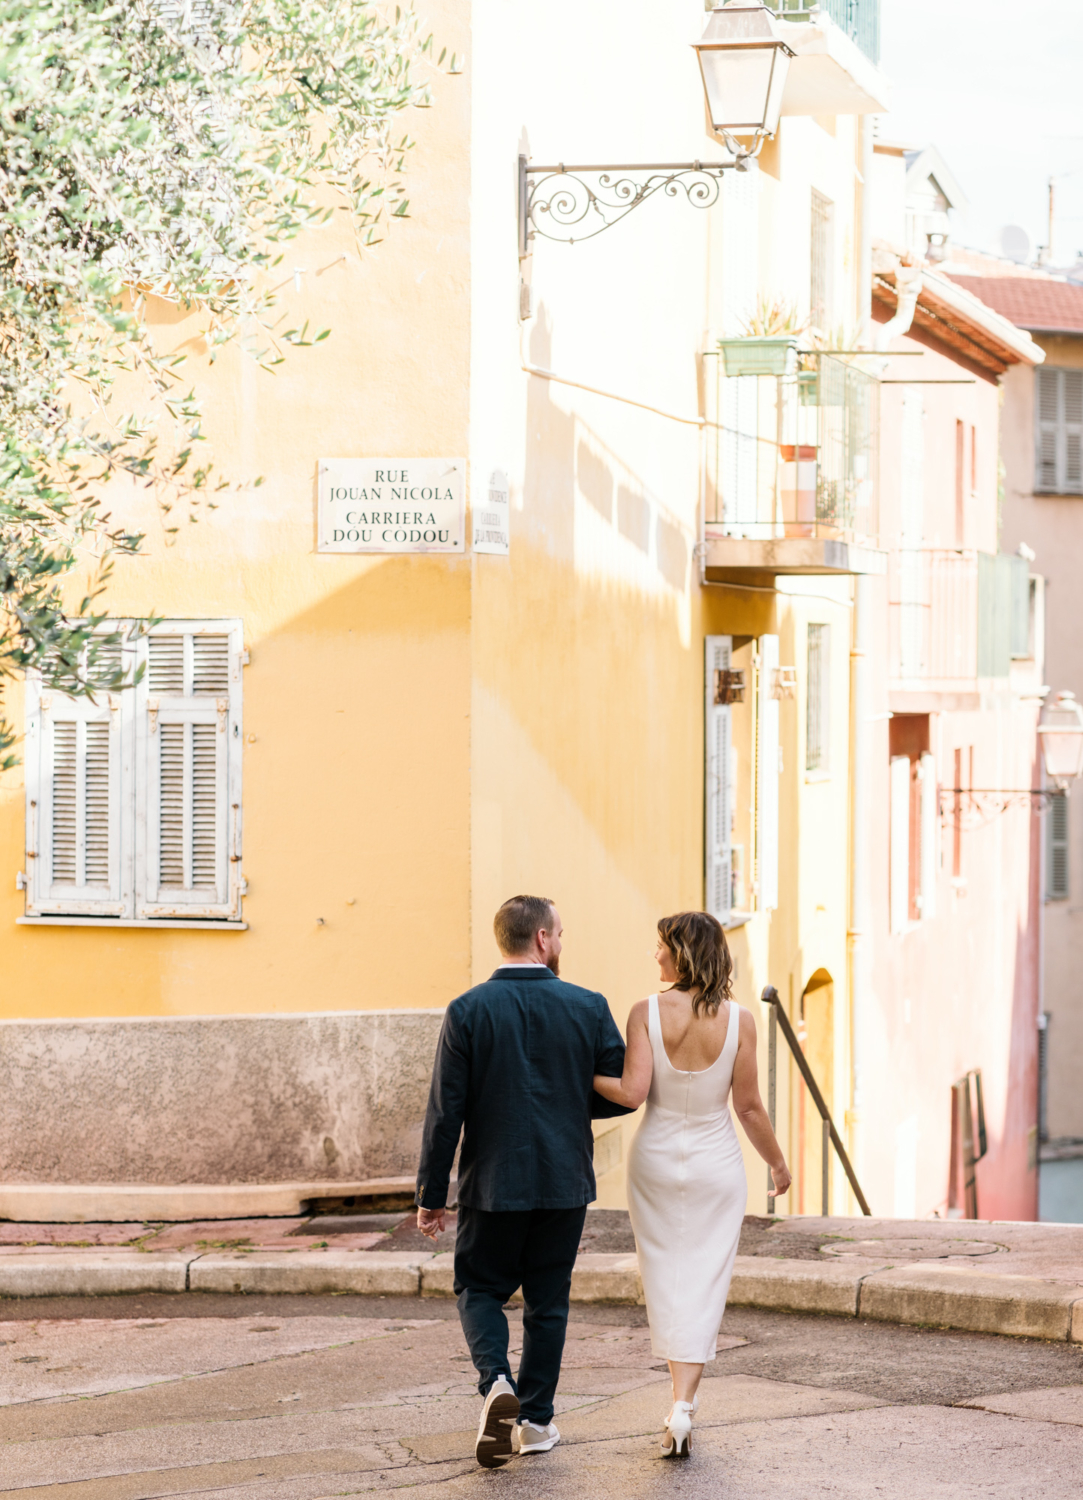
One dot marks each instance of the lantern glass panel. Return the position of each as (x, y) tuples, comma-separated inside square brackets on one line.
[(738, 82)]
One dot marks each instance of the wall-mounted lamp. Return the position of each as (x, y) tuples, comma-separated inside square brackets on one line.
[(1060, 735), (743, 65)]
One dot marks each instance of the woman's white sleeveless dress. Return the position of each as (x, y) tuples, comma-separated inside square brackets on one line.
[(686, 1197)]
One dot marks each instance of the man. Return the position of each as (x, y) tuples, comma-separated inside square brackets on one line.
[(514, 1071)]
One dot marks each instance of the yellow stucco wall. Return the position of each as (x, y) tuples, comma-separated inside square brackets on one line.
[(426, 736)]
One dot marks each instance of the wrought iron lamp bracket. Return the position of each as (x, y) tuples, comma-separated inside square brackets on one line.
[(570, 204), (979, 805)]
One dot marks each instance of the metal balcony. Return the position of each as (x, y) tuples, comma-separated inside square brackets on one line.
[(859, 19), (792, 470), (956, 616)]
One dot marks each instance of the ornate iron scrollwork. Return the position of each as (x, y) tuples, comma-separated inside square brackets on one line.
[(976, 806), (570, 204)]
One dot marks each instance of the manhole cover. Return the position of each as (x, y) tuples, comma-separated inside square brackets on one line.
[(909, 1249)]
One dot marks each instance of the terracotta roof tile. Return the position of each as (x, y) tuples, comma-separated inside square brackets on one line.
[(1039, 305)]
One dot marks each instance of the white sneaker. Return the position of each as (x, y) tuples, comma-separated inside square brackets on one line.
[(493, 1447), (533, 1439)]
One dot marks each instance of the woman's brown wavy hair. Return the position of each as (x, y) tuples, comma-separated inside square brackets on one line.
[(701, 957)]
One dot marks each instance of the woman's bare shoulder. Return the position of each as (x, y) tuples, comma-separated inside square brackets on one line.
[(639, 1012), (746, 1022)]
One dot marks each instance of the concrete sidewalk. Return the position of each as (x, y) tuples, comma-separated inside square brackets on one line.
[(1019, 1279), (213, 1397)]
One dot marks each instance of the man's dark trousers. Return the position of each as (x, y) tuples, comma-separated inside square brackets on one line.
[(495, 1254)]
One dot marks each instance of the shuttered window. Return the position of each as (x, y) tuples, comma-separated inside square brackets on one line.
[(930, 835), (1056, 879), (133, 802), (718, 832), (899, 817), (1058, 431), (818, 704), (767, 745)]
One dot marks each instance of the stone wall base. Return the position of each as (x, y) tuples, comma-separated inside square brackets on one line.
[(165, 1118)]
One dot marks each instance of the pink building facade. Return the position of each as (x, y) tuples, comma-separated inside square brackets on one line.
[(946, 1007)]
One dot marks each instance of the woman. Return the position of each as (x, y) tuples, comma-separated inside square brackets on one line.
[(686, 1178)]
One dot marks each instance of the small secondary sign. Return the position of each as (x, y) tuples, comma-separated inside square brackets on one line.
[(391, 505), (490, 513)]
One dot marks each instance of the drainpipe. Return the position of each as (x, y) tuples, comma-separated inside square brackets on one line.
[(907, 291)]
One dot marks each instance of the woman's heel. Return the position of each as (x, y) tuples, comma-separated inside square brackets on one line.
[(677, 1438)]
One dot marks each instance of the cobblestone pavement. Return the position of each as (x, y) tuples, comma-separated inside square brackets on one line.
[(264, 1398)]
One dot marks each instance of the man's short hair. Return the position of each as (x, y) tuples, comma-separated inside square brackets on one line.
[(519, 920)]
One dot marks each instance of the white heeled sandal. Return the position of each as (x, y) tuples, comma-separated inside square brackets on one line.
[(677, 1438)]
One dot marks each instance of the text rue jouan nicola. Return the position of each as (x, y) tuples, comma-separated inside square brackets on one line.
[(392, 525)]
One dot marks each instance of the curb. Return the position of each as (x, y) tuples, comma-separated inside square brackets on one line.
[(918, 1293)]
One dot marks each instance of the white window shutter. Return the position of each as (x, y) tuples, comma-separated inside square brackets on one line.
[(719, 816), (188, 785), (76, 819), (930, 823), (900, 843), (767, 776)]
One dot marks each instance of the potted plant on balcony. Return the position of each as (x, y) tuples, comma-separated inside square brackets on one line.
[(768, 343)]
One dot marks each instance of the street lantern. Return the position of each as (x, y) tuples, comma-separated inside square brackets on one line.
[(1061, 737), (744, 66)]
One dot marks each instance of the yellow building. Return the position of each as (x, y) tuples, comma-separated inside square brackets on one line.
[(247, 887)]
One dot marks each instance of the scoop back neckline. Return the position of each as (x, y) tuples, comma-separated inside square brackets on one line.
[(692, 1072)]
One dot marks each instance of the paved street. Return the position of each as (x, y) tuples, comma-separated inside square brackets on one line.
[(264, 1398)]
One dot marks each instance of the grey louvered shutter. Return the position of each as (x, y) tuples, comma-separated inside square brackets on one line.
[(717, 800), (1056, 885), (1058, 432), (1047, 402), (188, 754), (1072, 418)]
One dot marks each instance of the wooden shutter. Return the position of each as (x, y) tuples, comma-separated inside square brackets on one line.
[(1056, 881), (930, 835), (718, 794), (188, 755), (900, 842), (76, 818), (767, 775), (1047, 402)]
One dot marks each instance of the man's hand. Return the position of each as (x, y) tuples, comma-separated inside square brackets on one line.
[(431, 1221)]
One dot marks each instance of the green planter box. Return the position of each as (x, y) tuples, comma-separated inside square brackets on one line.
[(759, 356)]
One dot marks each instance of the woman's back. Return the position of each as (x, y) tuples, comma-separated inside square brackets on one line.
[(693, 1043)]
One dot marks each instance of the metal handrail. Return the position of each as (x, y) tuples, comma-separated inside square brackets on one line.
[(770, 997)]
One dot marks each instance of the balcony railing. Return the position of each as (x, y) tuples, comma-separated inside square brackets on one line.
[(793, 455), (956, 616), (860, 19)]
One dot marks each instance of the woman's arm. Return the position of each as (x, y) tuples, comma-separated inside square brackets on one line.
[(632, 1087), (749, 1106)]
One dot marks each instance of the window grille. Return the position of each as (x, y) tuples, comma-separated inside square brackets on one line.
[(816, 734)]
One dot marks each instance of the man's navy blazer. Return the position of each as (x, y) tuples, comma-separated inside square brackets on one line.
[(514, 1069)]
